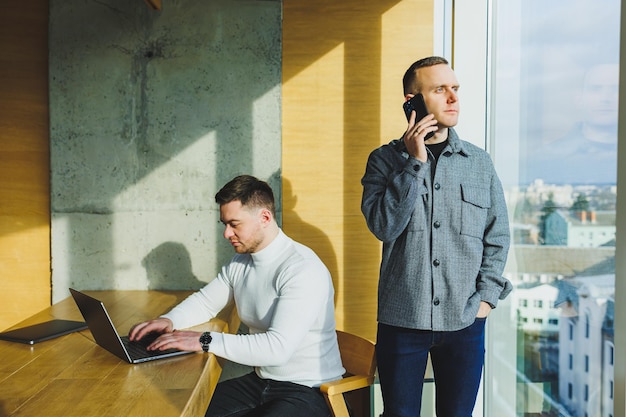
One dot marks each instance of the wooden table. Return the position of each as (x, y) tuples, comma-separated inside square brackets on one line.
[(73, 376)]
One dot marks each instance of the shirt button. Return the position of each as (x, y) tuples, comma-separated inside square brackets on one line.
[(416, 167), (437, 224), (436, 262), (437, 186), (436, 301)]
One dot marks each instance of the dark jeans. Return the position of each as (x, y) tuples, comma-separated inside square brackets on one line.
[(252, 396), (457, 358)]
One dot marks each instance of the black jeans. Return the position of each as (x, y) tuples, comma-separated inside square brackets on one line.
[(251, 396)]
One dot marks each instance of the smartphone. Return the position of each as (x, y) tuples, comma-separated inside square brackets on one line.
[(417, 103)]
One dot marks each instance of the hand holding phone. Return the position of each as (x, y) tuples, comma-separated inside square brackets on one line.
[(417, 104)]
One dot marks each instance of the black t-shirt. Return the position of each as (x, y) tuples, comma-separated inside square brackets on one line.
[(437, 148)]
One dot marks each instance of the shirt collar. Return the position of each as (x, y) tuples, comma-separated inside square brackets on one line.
[(455, 144)]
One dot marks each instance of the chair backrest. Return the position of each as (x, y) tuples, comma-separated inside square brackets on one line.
[(357, 354)]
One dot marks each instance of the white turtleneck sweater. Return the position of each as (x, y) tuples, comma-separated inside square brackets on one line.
[(284, 294)]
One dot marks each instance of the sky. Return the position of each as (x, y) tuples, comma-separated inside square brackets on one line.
[(556, 89)]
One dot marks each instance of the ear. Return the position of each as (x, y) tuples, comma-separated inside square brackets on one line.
[(408, 97), (265, 216)]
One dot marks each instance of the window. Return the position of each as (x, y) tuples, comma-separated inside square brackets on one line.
[(551, 91)]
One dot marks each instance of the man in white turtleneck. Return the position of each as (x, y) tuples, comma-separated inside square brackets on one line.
[(283, 293)]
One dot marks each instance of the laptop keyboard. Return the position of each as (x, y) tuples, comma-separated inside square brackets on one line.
[(137, 349)]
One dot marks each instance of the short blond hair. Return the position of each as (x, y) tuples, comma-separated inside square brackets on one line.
[(410, 82)]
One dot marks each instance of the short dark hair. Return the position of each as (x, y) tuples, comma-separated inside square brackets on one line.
[(251, 191), (410, 83)]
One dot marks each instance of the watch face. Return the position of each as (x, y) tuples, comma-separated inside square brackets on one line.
[(205, 339)]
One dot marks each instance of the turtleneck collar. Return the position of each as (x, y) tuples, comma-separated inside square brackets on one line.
[(271, 251)]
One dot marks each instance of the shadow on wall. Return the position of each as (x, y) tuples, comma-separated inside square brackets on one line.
[(168, 267), (307, 234)]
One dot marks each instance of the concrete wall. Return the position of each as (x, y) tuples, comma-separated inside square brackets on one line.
[(151, 112)]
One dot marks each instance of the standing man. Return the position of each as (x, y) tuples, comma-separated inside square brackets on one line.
[(283, 293), (438, 207)]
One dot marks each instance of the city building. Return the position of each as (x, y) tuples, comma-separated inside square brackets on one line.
[(583, 229)]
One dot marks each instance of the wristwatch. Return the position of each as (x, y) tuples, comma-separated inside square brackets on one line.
[(205, 340)]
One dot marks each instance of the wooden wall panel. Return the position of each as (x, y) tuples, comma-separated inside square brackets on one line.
[(343, 64), (24, 161)]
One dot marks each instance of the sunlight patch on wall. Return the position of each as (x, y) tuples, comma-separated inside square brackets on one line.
[(399, 22), (313, 114), (265, 133)]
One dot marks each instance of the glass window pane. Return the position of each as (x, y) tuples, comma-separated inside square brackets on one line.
[(554, 130)]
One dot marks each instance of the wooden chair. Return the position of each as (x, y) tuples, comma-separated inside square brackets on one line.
[(359, 359)]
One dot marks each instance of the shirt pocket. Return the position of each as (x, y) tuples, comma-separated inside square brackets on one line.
[(475, 202)]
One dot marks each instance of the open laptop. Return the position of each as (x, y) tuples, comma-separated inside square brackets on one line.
[(106, 335)]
